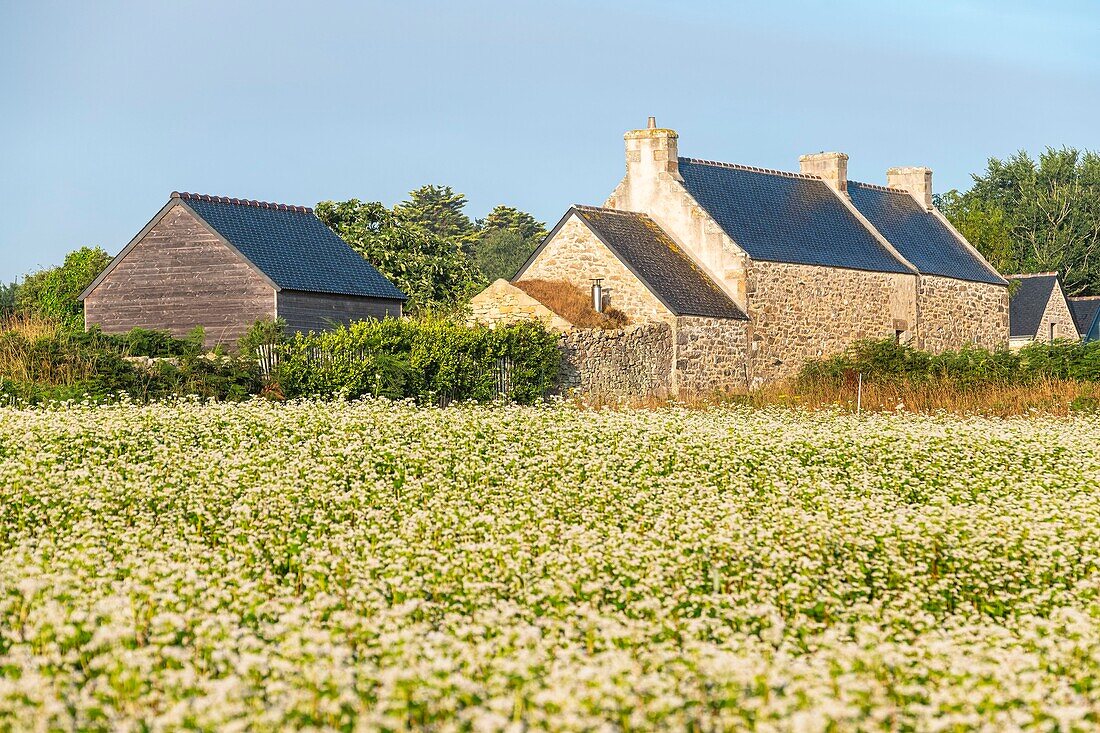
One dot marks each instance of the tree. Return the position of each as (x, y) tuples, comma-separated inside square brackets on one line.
[(439, 210), (8, 295), (430, 269), (506, 239), (500, 253), (984, 225), (1050, 208), (54, 293), (508, 218)]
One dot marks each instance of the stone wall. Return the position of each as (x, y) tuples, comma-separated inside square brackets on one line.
[(711, 356), (576, 255), (958, 313), (801, 312), (1058, 313), (635, 362), (502, 302)]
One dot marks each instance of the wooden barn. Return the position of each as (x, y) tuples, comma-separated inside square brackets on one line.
[(224, 264)]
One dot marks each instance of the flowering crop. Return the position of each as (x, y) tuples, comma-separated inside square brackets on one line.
[(375, 565)]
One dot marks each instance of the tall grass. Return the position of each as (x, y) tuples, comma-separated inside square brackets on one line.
[(38, 349)]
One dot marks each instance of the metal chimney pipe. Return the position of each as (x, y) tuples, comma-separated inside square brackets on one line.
[(597, 294)]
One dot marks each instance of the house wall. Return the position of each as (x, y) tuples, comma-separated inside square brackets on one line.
[(635, 362), (801, 312), (1058, 313), (321, 311), (711, 356), (178, 276), (957, 313), (502, 302), (576, 255)]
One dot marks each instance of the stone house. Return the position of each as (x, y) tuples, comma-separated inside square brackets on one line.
[(225, 263), (1039, 310), (784, 266), (1086, 316)]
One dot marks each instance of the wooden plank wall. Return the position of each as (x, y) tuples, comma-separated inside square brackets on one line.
[(319, 311), (177, 277)]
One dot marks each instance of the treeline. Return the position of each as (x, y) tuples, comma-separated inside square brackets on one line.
[(1035, 215), (428, 246)]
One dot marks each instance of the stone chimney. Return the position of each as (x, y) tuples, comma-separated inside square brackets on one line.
[(917, 181), (830, 167), (649, 152)]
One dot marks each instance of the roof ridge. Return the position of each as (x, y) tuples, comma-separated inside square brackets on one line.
[(877, 187), (754, 169), (186, 196), (1034, 274), (589, 207), (1084, 297)]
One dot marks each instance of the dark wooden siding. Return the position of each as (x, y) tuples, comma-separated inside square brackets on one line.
[(178, 276), (319, 311)]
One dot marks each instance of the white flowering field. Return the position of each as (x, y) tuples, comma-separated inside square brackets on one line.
[(374, 566)]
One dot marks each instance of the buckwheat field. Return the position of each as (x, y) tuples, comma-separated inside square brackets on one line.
[(368, 565)]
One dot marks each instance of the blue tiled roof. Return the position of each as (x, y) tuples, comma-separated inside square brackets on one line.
[(785, 217), (919, 236), (292, 246), (1028, 304), (1086, 316)]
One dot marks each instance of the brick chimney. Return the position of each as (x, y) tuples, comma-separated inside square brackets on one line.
[(917, 181), (649, 153), (830, 167)]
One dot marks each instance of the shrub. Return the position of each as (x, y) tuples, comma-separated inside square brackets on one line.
[(888, 362), (425, 359)]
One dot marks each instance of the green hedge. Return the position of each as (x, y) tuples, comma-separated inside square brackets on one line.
[(424, 359), (887, 361)]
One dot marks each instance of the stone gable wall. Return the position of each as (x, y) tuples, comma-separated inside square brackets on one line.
[(502, 303), (711, 356), (1058, 313), (957, 313), (801, 312), (635, 362), (576, 255)]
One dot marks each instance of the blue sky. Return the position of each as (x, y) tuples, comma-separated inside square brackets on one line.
[(109, 106)]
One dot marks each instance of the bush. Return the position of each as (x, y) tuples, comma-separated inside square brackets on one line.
[(886, 361), (53, 293), (425, 359), (48, 364)]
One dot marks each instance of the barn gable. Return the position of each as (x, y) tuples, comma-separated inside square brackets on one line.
[(224, 263), (177, 274)]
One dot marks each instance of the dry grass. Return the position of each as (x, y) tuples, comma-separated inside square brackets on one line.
[(26, 354), (572, 303), (1051, 397)]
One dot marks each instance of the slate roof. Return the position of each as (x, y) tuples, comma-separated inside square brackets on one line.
[(1086, 315), (658, 262), (1029, 302), (291, 246), (785, 217), (918, 235)]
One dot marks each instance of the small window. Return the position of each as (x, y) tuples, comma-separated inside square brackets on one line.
[(1052, 331)]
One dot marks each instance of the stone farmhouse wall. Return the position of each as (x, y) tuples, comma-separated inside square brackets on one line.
[(576, 254), (635, 362), (711, 356), (957, 313), (502, 302), (1058, 313), (800, 312)]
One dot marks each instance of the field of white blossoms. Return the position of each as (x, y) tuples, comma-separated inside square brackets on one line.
[(380, 566)]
